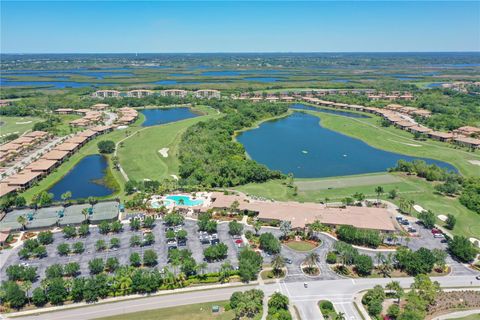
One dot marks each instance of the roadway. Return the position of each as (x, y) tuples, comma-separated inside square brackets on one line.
[(341, 292)]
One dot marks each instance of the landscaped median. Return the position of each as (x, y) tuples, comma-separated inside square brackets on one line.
[(423, 300)]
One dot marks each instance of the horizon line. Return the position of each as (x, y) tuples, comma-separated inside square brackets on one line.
[(236, 52)]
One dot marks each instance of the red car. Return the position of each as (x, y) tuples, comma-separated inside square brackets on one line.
[(435, 231)]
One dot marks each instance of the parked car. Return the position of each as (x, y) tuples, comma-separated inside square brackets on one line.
[(439, 235), (288, 261), (435, 231), (412, 230), (182, 242), (399, 218), (405, 222)]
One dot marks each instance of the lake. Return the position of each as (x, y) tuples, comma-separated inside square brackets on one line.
[(155, 117), (323, 110), (298, 144), (50, 84), (82, 180)]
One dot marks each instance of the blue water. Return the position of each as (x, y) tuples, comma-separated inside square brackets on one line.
[(79, 180), (337, 112), (220, 73), (98, 74), (155, 117), (262, 79), (298, 144), (340, 80), (50, 84), (435, 84), (187, 200)]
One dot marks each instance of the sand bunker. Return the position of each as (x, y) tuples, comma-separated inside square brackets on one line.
[(405, 143), (174, 176), (442, 217), (475, 162), (25, 122), (475, 241), (418, 208), (164, 152)]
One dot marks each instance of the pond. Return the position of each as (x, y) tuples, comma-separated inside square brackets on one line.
[(262, 79), (84, 180), (155, 117), (298, 144), (330, 111)]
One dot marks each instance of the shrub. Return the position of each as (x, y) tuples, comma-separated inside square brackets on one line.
[(71, 269), (363, 265), (114, 243), (101, 245), (21, 273), (462, 248), (216, 252), (38, 297), (249, 264), (69, 232), (150, 258), (78, 247), (350, 234), (63, 249), (112, 264), (54, 271), (135, 241), (269, 243), (135, 259), (45, 237), (96, 265), (106, 146), (331, 257), (84, 230)]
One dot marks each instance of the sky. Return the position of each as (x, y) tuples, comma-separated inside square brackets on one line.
[(230, 26)]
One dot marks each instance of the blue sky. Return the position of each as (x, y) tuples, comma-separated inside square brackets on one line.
[(196, 26)]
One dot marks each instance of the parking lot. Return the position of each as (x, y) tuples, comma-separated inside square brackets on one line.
[(124, 251)]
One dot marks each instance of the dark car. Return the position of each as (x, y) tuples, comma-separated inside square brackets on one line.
[(214, 241), (289, 261), (182, 242)]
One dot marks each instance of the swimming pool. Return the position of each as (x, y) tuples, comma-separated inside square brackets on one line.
[(185, 200)]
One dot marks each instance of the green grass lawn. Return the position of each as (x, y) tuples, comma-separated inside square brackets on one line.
[(139, 155), (18, 125), (300, 245), (199, 311)]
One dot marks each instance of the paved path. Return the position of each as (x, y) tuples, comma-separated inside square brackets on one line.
[(459, 314)]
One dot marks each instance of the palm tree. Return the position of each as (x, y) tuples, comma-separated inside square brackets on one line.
[(311, 259), (379, 257), (23, 221), (201, 267), (278, 263), (340, 316), (225, 269), (26, 286), (285, 227), (66, 196), (395, 286), (257, 226), (125, 284), (234, 206), (85, 214), (379, 191)]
